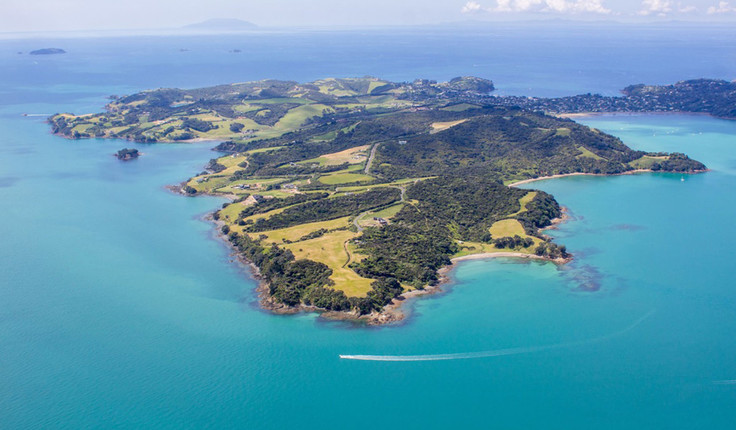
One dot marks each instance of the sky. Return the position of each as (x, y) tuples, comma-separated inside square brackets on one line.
[(74, 15)]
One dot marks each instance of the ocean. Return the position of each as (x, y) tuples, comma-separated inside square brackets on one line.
[(119, 308)]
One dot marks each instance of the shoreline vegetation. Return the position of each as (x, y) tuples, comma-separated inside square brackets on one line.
[(349, 196)]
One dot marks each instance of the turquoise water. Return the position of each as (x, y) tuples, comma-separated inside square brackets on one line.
[(118, 309)]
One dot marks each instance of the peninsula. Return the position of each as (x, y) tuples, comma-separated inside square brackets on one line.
[(348, 193)]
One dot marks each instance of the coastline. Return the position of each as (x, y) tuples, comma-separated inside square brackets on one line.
[(194, 140), (395, 312)]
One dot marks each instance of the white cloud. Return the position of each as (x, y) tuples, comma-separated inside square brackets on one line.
[(655, 7), (723, 7), (686, 8), (541, 6), (471, 7)]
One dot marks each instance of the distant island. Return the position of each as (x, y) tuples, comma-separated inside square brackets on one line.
[(350, 194), (48, 51)]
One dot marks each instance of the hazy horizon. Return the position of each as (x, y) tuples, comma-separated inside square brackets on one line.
[(137, 15)]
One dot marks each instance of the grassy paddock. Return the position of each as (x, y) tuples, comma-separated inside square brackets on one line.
[(460, 107), (386, 213), (330, 249), (296, 232), (528, 197), (586, 153), (507, 227), (646, 162), (344, 178), (355, 155)]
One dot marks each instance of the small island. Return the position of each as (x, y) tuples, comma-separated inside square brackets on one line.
[(348, 195), (127, 154), (48, 51)]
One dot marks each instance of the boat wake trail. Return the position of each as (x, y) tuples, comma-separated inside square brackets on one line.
[(495, 352)]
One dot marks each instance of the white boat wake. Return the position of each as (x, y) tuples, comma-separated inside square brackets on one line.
[(495, 352)]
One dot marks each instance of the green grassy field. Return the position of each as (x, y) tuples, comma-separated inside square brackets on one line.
[(280, 100), (344, 178), (504, 228), (586, 153), (296, 232), (460, 107), (528, 197), (211, 183), (646, 162), (259, 150), (367, 219), (333, 134), (330, 249), (355, 155), (295, 117)]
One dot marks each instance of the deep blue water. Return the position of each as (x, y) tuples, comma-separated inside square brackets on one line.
[(118, 309)]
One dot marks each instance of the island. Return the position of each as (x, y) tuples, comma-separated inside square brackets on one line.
[(127, 154), (48, 51), (348, 195)]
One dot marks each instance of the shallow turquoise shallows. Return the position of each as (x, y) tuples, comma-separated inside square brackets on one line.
[(120, 309)]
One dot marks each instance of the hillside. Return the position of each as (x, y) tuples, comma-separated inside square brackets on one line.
[(255, 110)]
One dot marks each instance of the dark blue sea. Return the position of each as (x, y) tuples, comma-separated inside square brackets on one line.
[(120, 309)]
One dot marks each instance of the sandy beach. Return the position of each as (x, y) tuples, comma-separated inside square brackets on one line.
[(542, 178)]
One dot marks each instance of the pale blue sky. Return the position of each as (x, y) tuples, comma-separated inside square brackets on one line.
[(51, 15)]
